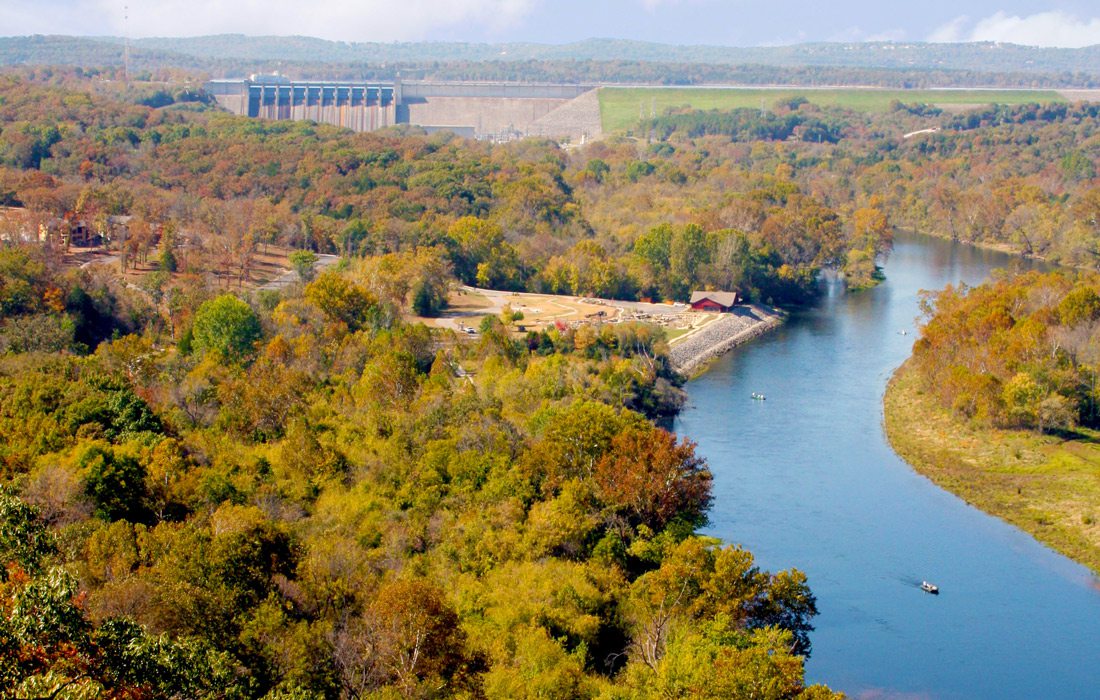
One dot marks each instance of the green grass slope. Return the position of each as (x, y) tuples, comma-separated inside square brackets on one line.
[(622, 107)]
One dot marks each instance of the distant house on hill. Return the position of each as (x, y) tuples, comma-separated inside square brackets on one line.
[(714, 301)]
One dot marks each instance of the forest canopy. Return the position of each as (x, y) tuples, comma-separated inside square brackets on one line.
[(1018, 353)]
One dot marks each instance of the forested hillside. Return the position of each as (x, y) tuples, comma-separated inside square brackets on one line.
[(526, 216), (1023, 177), (913, 65), (724, 196), (305, 497), (297, 494)]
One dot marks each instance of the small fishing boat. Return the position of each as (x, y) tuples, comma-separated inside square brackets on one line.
[(758, 397), (929, 588)]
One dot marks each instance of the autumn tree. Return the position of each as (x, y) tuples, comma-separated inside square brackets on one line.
[(648, 478)]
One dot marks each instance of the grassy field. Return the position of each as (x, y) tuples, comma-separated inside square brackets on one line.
[(620, 108), (1045, 485)]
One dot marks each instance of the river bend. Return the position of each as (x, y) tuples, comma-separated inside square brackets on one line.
[(806, 479)]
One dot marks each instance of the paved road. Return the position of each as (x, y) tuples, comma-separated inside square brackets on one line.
[(105, 260)]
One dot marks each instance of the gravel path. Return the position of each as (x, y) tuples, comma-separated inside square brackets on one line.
[(324, 260)]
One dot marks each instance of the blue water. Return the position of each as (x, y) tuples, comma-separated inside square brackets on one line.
[(806, 479)]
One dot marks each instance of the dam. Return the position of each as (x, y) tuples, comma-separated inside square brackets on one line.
[(499, 111)]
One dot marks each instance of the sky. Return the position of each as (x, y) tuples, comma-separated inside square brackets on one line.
[(1066, 23)]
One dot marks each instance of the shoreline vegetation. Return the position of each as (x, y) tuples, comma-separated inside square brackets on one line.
[(692, 354), (1046, 485), (1006, 247)]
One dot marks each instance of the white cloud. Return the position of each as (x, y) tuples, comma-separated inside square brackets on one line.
[(347, 20), (856, 34), (887, 35), (1053, 28), (955, 30)]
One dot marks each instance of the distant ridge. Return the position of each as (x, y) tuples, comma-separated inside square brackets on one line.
[(900, 55), (886, 64)]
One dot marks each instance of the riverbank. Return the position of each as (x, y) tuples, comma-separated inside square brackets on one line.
[(1045, 485), (691, 353), (1011, 249)]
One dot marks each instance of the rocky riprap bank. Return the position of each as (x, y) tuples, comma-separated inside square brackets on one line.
[(742, 324)]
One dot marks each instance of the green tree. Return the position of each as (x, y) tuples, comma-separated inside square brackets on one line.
[(598, 169), (167, 260), (115, 483), (228, 327), (688, 253), (427, 301), (24, 539), (483, 257), (711, 662), (304, 262)]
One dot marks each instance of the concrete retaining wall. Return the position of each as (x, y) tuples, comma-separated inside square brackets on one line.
[(487, 115), (720, 336)]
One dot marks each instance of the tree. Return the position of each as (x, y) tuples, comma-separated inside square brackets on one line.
[(698, 581), (598, 168), (24, 539), (1082, 305), (409, 637), (688, 253), (48, 644), (227, 327), (711, 663), (427, 301), (483, 257), (871, 231), (650, 479), (575, 438), (303, 262), (115, 483), (342, 301)]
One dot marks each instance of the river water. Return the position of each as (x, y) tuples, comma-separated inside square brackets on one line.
[(806, 479)]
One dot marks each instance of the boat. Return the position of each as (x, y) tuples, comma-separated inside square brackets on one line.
[(929, 588), (758, 397)]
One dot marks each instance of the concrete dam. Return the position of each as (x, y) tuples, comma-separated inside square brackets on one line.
[(488, 110)]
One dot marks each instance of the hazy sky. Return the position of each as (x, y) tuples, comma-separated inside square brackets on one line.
[(728, 22)]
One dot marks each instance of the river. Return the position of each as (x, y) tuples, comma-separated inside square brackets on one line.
[(806, 479)]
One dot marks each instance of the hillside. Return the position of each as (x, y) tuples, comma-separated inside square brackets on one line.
[(889, 55), (914, 65)]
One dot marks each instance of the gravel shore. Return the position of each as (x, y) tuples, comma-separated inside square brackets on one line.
[(744, 323)]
